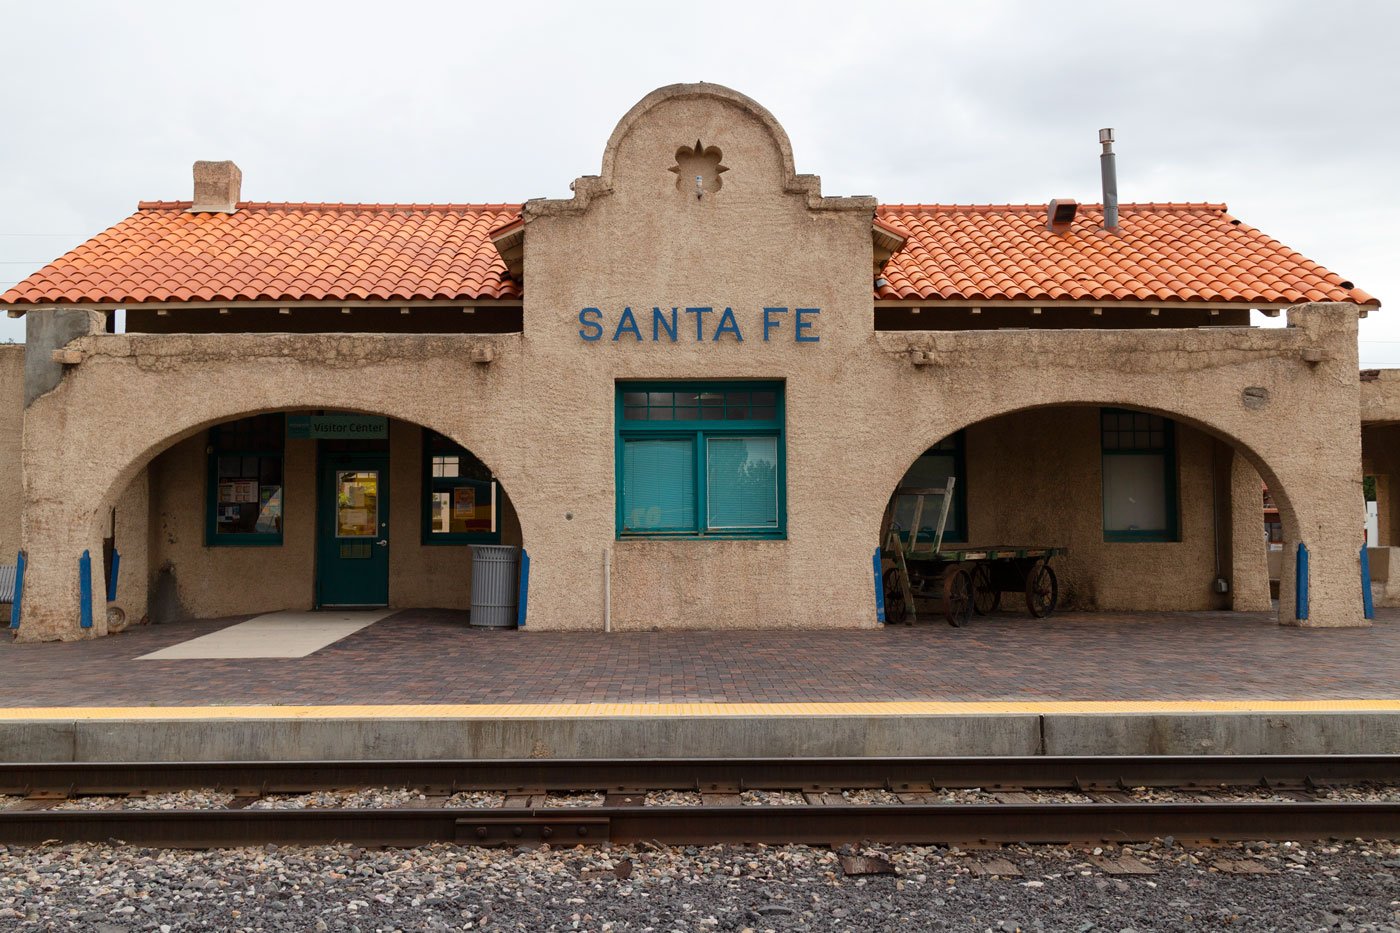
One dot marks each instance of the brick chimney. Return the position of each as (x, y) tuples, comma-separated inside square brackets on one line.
[(217, 186)]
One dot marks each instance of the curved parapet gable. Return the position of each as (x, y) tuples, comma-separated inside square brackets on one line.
[(705, 114)]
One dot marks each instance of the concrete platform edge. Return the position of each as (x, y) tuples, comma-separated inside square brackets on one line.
[(689, 737), (1314, 733)]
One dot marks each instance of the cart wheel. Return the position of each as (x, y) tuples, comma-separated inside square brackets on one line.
[(1042, 590), (957, 597), (985, 598), (894, 598)]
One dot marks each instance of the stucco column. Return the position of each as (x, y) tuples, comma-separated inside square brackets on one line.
[(1320, 475), (1249, 573), (1385, 521), (54, 539), (133, 521)]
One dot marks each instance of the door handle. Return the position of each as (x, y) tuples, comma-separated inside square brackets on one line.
[(382, 542)]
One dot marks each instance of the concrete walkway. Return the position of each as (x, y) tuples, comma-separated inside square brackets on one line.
[(418, 657), (274, 635)]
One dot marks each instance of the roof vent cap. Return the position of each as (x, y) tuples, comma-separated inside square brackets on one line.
[(1060, 215), (217, 188)]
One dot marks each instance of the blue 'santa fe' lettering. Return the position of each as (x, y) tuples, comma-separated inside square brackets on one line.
[(727, 323), (699, 320), (627, 323), (658, 324), (666, 327), (769, 324), (589, 318)]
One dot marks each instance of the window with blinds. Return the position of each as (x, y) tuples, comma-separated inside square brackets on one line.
[(1139, 476), (700, 460)]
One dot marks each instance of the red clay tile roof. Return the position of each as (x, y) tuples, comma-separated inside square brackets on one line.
[(287, 252), (283, 252), (1163, 252)]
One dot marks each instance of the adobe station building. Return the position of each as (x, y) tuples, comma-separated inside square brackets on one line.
[(688, 391)]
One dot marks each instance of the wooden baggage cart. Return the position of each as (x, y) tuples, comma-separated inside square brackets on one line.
[(963, 580)]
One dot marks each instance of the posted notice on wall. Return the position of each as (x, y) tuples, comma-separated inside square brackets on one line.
[(463, 502)]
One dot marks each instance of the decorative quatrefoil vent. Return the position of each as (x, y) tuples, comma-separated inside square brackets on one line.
[(698, 169)]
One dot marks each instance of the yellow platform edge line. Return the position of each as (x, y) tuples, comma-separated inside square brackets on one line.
[(681, 710)]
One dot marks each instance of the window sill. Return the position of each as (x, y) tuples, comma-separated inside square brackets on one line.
[(711, 536), (1146, 537), (461, 541), (225, 542)]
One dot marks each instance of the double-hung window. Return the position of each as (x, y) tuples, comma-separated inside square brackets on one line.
[(700, 460), (244, 501), (461, 503), (1139, 476)]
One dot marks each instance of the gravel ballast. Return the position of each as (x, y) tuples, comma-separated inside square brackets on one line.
[(1351, 886)]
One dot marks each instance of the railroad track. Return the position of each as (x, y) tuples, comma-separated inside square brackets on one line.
[(1296, 805)]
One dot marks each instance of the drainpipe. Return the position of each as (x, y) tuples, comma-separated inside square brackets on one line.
[(1108, 168)]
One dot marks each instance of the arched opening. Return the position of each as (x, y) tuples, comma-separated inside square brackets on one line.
[(298, 510), (1380, 466), (1132, 509)]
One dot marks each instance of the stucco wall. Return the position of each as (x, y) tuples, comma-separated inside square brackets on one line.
[(11, 428), (192, 580), (860, 405), (1035, 477), (1249, 581)]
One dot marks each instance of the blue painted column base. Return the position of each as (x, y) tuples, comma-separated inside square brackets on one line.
[(1301, 581), (15, 607), (523, 598), (1368, 609), (879, 590), (85, 590)]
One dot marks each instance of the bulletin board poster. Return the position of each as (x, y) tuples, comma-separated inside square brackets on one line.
[(463, 503)]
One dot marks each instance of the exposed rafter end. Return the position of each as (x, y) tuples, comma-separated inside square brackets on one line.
[(1268, 312), (509, 240), (887, 240)]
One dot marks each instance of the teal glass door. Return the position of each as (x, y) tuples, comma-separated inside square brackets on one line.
[(352, 537)]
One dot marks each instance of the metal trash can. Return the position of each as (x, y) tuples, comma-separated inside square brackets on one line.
[(494, 585)]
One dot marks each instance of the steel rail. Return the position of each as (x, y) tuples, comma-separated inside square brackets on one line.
[(820, 825), (1099, 772)]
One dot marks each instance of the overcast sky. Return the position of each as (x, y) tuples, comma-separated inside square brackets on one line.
[(1288, 111)]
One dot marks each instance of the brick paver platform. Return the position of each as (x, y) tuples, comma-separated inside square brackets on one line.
[(427, 657)]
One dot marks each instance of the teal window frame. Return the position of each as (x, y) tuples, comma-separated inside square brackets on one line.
[(217, 447), (432, 484), (698, 432), (1166, 449)]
